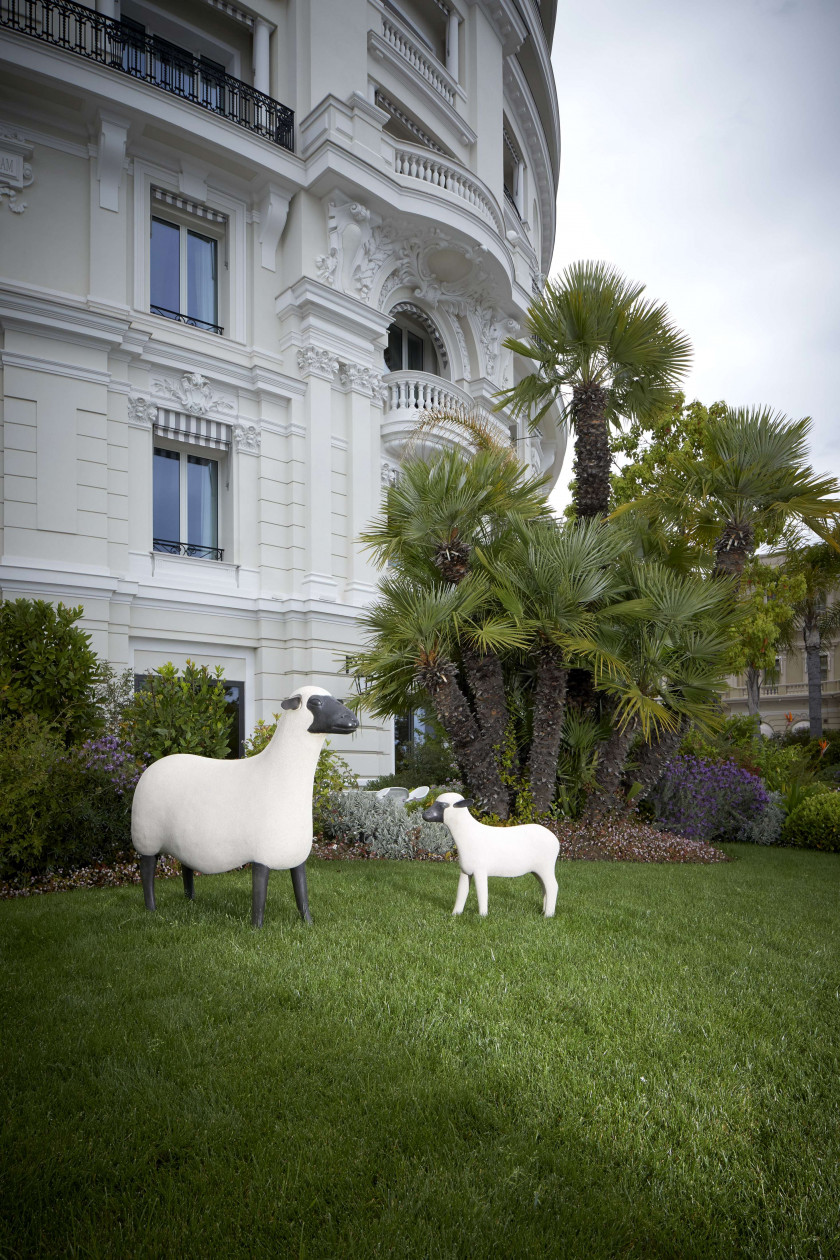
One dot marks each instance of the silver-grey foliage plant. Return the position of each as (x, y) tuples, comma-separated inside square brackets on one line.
[(767, 828), (384, 825)]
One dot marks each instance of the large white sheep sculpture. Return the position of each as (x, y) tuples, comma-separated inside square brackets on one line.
[(484, 851), (216, 815)]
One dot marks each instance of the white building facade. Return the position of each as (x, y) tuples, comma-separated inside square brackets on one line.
[(242, 248)]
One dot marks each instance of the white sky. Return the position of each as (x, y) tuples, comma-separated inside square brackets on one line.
[(701, 156)]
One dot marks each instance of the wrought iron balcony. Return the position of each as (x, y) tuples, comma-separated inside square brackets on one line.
[(172, 548), (192, 320), (120, 46)]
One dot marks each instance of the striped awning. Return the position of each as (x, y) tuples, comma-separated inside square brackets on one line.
[(179, 426)]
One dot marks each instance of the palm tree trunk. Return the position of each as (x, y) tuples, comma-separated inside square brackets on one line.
[(549, 712), (651, 757), (479, 770), (753, 681), (593, 459), (811, 635), (733, 549), (611, 761), (483, 675)]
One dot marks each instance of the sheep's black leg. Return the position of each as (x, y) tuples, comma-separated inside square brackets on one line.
[(298, 874), (148, 862), (189, 884), (259, 888)]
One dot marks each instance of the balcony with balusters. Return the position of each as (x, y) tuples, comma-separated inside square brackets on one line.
[(409, 397)]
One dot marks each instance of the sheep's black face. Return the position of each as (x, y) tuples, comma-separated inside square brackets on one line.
[(330, 716), (435, 811)]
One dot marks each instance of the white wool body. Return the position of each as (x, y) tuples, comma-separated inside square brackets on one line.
[(506, 851), (215, 815)]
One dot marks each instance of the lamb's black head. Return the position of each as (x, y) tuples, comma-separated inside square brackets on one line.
[(330, 716)]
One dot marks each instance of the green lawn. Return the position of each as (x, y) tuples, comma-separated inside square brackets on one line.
[(652, 1073)]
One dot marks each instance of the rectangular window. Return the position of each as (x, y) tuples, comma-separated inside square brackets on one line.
[(184, 280), (186, 504), (414, 352)]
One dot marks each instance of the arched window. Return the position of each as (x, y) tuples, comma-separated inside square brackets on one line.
[(411, 347)]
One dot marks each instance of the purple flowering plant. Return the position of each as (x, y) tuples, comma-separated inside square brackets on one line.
[(708, 800)]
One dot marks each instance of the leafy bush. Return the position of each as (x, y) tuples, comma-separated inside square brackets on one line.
[(332, 774), (815, 824), (60, 807), (384, 825), (707, 800), (47, 667), (767, 827), (172, 714), (113, 694)]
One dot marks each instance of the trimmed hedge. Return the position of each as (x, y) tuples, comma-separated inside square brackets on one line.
[(815, 824)]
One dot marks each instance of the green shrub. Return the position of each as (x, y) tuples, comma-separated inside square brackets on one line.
[(815, 824), (332, 774), (172, 714), (61, 807), (47, 667)]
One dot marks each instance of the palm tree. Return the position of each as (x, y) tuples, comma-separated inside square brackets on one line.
[(417, 631), (670, 670), (441, 512), (593, 333), (819, 621), (555, 582), (752, 481)]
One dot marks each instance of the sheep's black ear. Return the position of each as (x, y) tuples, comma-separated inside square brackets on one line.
[(293, 702), (464, 804)]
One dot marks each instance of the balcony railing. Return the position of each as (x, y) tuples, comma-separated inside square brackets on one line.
[(192, 320), (425, 64), (407, 395), (65, 24), (440, 172), (172, 548), (827, 687)]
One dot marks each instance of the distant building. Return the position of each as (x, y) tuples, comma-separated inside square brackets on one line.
[(241, 247)]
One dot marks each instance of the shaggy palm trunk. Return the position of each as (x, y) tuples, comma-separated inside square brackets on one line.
[(453, 711), (733, 549), (549, 712), (611, 761), (484, 677), (651, 758), (811, 635), (753, 681), (593, 459)]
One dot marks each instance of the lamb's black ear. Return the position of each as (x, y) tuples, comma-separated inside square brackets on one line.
[(293, 702), (464, 804)]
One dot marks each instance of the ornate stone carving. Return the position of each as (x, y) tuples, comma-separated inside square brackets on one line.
[(15, 171), (390, 474), (364, 380), (315, 361), (193, 394), (538, 279), (354, 257), (247, 438), (141, 411)]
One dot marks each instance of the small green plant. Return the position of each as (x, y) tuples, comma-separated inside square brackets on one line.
[(815, 824), (47, 667), (31, 752), (332, 773), (179, 714)]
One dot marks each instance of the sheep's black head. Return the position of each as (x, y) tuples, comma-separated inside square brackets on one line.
[(435, 811), (330, 716)]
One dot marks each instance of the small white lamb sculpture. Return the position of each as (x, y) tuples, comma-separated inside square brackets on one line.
[(215, 815), (484, 851)]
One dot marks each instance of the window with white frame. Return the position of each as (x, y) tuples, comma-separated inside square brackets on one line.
[(187, 258), (189, 480), (410, 347)]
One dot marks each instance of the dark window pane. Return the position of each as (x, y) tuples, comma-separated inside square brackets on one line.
[(132, 38), (393, 355), (414, 348), (201, 278), (202, 502), (212, 84), (165, 268), (166, 519)]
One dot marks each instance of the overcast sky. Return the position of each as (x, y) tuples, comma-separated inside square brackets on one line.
[(700, 155)]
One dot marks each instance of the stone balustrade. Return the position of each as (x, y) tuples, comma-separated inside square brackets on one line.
[(422, 62), (440, 172)]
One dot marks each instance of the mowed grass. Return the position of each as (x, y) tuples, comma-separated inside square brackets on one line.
[(653, 1073)]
